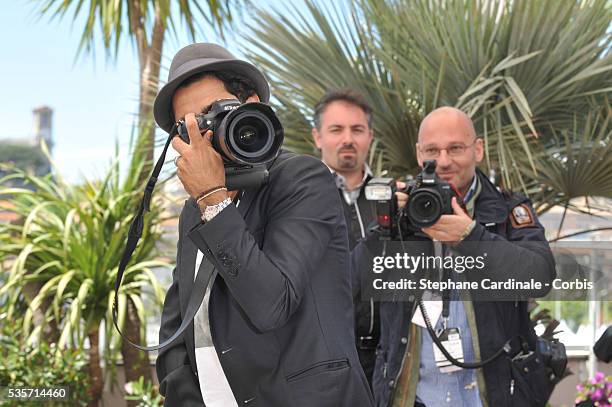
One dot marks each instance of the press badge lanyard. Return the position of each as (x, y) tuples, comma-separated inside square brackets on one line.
[(451, 338), (446, 296)]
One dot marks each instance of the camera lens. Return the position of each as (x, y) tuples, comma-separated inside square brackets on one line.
[(251, 135), (247, 135), (424, 208)]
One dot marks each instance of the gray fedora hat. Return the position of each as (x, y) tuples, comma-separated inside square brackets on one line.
[(196, 58)]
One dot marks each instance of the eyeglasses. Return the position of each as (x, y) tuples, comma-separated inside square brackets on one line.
[(454, 150)]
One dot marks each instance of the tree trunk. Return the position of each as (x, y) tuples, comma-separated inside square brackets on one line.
[(50, 331), (136, 363), (96, 378), (149, 58)]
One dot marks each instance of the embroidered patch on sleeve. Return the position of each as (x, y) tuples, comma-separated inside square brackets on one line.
[(522, 217)]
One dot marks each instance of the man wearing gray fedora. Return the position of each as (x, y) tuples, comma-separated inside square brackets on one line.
[(275, 328)]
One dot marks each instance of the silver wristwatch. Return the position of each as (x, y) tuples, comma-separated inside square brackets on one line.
[(212, 210)]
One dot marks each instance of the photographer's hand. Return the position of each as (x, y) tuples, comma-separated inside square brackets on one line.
[(402, 197), (200, 167), (450, 228)]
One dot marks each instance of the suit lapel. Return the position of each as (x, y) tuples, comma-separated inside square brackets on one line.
[(188, 253)]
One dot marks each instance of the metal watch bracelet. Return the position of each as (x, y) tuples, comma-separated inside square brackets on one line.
[(212, 210)]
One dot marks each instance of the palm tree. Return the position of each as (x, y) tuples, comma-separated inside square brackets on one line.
[(69, 243), (527, 72), (146, 23)]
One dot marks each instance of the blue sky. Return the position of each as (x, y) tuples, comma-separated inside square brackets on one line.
[(94, 99)]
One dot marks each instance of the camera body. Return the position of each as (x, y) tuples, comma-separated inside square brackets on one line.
[(247, 136), (429, 197)]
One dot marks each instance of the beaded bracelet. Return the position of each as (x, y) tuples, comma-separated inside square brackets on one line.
[(209, 192)]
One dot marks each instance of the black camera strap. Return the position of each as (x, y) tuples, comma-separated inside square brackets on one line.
[(446, 299), (134, 235), (506, 348)]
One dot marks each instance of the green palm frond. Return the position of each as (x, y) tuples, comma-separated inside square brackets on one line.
[(575, 163), (112, 19), (330, 48)]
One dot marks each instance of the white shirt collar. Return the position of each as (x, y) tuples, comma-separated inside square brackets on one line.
[(350, 196), (470, 193)]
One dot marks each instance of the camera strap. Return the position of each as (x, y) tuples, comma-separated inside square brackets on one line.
[(446, 297), (134, 235), (436, 337), (506, 348)]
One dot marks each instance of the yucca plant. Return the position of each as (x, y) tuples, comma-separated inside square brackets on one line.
[(69, 242), (525, 71)]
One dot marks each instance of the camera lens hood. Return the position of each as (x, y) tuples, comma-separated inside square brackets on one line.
[(250, 134)]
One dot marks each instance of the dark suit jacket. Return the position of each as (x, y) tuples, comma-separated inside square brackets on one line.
[(281, 314)]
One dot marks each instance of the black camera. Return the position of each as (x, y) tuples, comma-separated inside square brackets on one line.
[(247, 136), (429, 197)]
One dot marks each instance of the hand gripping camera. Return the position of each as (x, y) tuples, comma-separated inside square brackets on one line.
[(247, 136), (429, 197)]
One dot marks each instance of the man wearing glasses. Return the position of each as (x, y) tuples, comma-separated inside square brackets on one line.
[(407, 372)]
